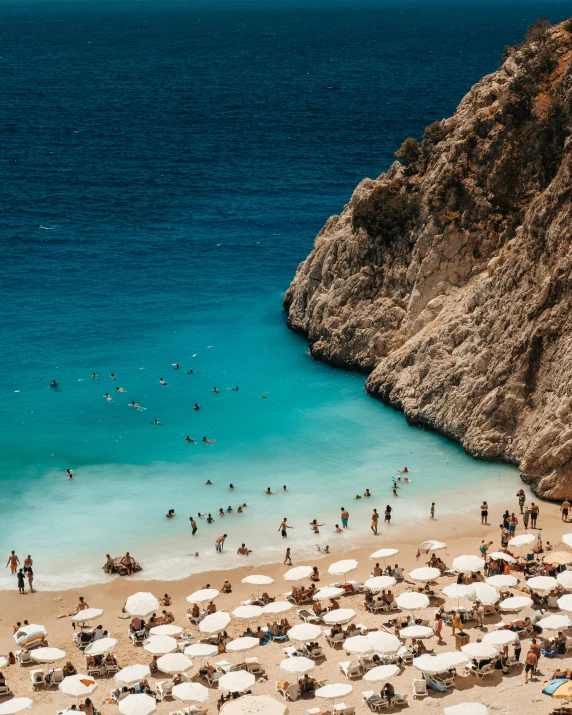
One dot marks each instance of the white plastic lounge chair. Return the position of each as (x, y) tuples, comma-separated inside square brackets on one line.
[(164, 688), (350, 670), (419, 688), (38, 679)]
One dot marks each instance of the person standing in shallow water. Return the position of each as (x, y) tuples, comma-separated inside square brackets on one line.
[(374, 520), (21, 581), (484, 512), (288, 558)]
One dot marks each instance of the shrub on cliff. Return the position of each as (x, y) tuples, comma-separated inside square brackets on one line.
[(408, 152), (432, 135), (568, 25), (386, 213), (523, 90), (538, 31)]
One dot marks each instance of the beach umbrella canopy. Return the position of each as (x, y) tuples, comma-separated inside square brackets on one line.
[(416, 632), (141, 604), (215, 623), (542, 583), (298, 573), (203, 595), (191, 692), (431, 664), (328, 592), (132, 674), (333, 691), (304, 632), (341, 568), (297, 666), (236, 680), (500, 638), (383, 643), (78, 686), (381, 673), (558, 557), (169, 629), (515, 603), (501, 556), (565, 603), (453, 658), (378, 582), (486, 594), (254, 705), (555, 622), (47, 655), (137, 705), (201, 650), (247, 613), (30, 635), (467, 709), (424, 574), (15, 705), (412, 601), (430, 545), (277, 607), (258, 580), (468, 563), (239, 645), (459, 590), (384, 553), (522, 540), (160, 645), (502, 581), (565, 580), (479, 651), (358, 645), (559, 689), (88, 614), (174, 663), (567, 539), (340, 615), (101, 646)]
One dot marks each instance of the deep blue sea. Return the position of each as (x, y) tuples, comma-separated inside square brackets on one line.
[(165, 167)]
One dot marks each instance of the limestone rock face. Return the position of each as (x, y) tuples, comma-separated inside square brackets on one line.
[(449, 278)]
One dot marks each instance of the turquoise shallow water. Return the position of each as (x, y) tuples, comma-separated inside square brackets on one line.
[(167, 165)]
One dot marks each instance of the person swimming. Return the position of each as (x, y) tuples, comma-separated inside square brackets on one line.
[(69, 472), (268, 491), (120, 389), (170, 514), (235, 389), (221, 512), (190, 372), (208, 482), (210, 520), (263, 397), (229, 510), (215, 389), (136, 406), (176, 366), (403, 471), (162, 382), (112, 376), (239, 510), (54, 383), (108, 397), (190, 440), (284, 488), (156, 422), (208, 441), (358, 496), (367, 493), (94, 376), (196, 407), (231, 487)]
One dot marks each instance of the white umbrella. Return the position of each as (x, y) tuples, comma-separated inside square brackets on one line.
[(174, 663), (141, 604), (47, 655), (236, 681), (328, 592), (333, 691), (384, 553), (468, 563), (101, 646), (565, 580), (203, 595), (431, 664), (32, 634), (479, 651), (304, 632), (169, 629), (88, 614), (137, 705), (412, 601), (160, 645), (565, 603), (486, 594), (215, 623), (3, 661), (298, 573), (277, 607), (453, 658), (15, 705), (132, 674), (500, 638), (459, 590), (379, 582), (567, 539), (515, 603), (430, 545), (340, 615), (503, 557), (542, 584), (247, 613), (555, 622), (358, 645), (522, 540), (258, 580), (201, 650), (502, 581), (467, 709), (239, 645), (381, 673), (341, 568), (424, 574), (78, 686), (254, 705), (384, 643), (191, 692), (297, 666), (416, 632)]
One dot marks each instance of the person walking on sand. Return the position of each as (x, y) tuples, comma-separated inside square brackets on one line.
[(283, 527), (530, 663), (21, 581), (456, 622), (484, 512), (438, 628), (374, 520), (219, 543), (512, 524), (345, 517), (31, 580), (526, 516), (521, 499), (288, 558), (13, 562), (534, 512), (564, 509), (433, 510)]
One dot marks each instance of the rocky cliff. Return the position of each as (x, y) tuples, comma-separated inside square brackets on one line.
[(448, 279)]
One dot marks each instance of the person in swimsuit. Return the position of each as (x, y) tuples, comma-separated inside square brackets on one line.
[(136, 406), (215, 390), (367, 493), (190, 440), (69, 472), (484, 512), (176, 366), (128, 562), (288, 558), (120, 389), (268, 491), (243, 551), (107, 396), (28, 563), (235, 389), (170, 514), (208, 441), (283, 527), (156, 422), (388, 514), (54, 383), (196, 407), (432, 510), (13, 562), (193, 526), (21, 581), (231, 487), (315, 526), (208, 482), (210, 520), (162, 382), (403, 471), (374, 520)]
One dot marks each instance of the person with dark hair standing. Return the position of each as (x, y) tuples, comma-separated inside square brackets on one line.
[(21, 581)]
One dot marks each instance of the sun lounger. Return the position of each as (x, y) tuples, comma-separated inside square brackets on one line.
[(38, 679), (164, 688), (374, 701), (419, 688), (350, 670), (336, 640), (488, 669), (309, 616), (398, 699), (137, 636), (23, 657), (290, 692), (5, 690)]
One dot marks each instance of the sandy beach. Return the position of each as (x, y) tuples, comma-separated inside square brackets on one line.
[(505, 693)]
